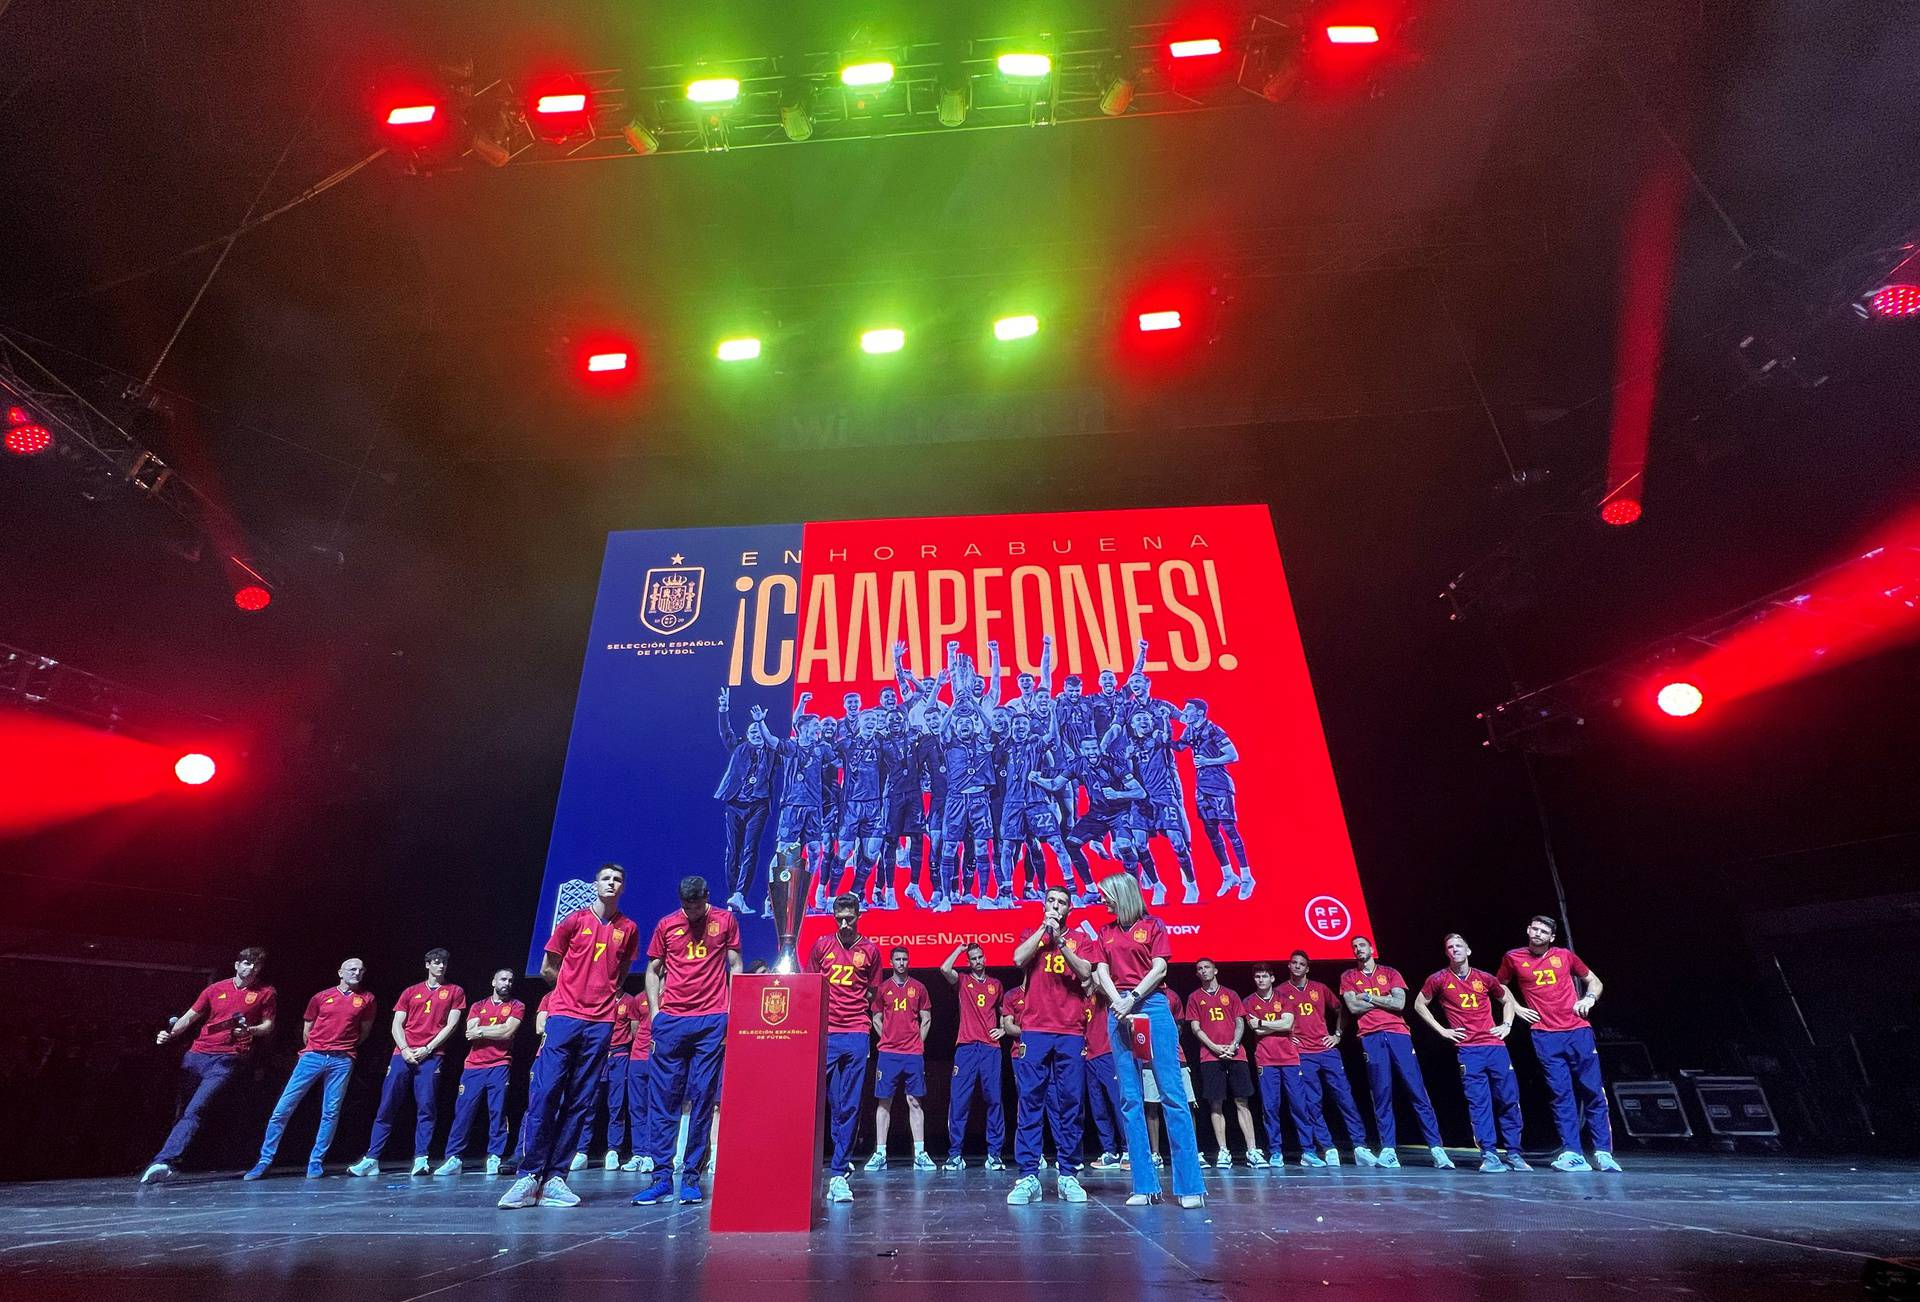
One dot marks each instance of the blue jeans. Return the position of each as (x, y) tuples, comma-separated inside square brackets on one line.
[(1103, 1100), (1051, 1077), (687, 1055), (1175, 1110), (639, 1101), (976, 1068), (203, 1078), (1571, 1065), (559, 1101), (1390, 1054), (1291, 1083), (404, 1079), (847, 1053), (1486, 1077), (1325, 1076), (482, 1089), (335, 1069)]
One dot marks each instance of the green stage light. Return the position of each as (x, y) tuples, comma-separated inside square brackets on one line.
[(743, 349), (874, 72), (886, 340), (1016, 327), (1025, 67), (714, 90)]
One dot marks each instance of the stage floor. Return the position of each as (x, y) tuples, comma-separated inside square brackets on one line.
[(1693, 1225)]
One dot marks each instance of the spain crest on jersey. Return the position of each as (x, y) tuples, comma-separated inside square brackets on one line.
[(775, 1002), (670, 601)]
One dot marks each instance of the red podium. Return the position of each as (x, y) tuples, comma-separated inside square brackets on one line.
[(772, 1104)]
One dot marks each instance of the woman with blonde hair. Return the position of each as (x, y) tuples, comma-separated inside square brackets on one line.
[(1134, 949)]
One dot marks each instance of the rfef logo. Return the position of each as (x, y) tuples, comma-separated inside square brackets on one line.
[(1328, 918), (671, 600)]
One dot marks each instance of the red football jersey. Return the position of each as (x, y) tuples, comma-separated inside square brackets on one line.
[(1014, 1005), (1099, 1038), (1216, 1013), (1173, 1002), (1277, 1050), (695, 983), (1130, 951), (1308, 1001), (642, 1047), (622, 1023), (339, 1018), (220, 1006), (900, 1005), (1467, 1002), (1547, 985), (493, 1012), (1054, 1000), (594, 958), (979, 1008), (1383, 981), (425, 1009), (851, 972)]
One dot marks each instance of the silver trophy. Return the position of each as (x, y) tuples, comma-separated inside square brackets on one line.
[(788, 886)]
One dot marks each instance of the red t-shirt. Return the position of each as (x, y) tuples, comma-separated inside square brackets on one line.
[(425, 1009), (1130, 951), (1054, 1001), (622, 1023), (899, 1006), (1547, 985), (1216, 1013), (642, 1047), (1099, 1040), (339, 1018), (1467, 1002), (1276, 1050), (1179, 1041), (1383, 981), (695, 984), (220, 1006), (1014, 1006), (594, 958), (492, 1012), (851, 971), (979, 1009), (1308, 1002)]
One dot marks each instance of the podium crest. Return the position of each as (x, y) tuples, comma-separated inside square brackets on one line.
[(775, 1003)]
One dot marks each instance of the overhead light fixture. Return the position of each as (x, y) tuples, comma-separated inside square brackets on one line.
[(598, 363), (1116, 91), (1024, 66), (641, 138), (1164, 320), (412, 115), (743, 349), (796, 109), (1353, 34), (28, 439), (714, 90), (888, 339), (956, 97), (1016, 327), (866, 75), (559, 107), (1194, 49), (1894, 301)]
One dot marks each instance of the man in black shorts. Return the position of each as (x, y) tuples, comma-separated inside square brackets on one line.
[(1219, 1022)]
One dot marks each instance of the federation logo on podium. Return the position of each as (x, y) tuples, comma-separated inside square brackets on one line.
[(670, 602), (775, 1003)]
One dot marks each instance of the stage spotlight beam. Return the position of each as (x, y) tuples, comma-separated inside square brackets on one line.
[(195, 770), (888, 339), (1679, 700)]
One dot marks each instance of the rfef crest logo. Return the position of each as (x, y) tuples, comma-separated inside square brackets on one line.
[(1328, 918), (775, 1002), (670, 601)]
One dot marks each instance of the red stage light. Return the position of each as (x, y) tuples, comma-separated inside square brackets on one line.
[(601, 362), (26, 440), (1195, 48), (1679, 700), (1621, 511), (1353, 34), (18, 416), (253, 597), (559, 106), (1168, 319), (195, 769), (1895, 301), (412, 115)]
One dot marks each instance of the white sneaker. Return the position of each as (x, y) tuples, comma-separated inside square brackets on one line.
[(1025, 1190), (1571, 1161), (366, 1166), (1256, 1158), (1441, 1161), (1363, 1156), (1205, 1160), (1159, 894), (1227, 882), (524, 1193), (156, 1173), (451, 1166), (1192, 1201), (422, 1166), (556, 1194), (493, 1164), (1191, 896), (1332, 1157), (1605, 1160), (1068, 1187), (838, 1190), (1246, 884), (612, 1162), (633, 1163), (1389, 1159), (578, 1163), (877, 1162)]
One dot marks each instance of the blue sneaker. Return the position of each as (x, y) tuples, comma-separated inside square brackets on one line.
[(1311, 1159), (690, 1191), (1491, 1163), (256, 1171), (657, 1192), (1515, 1162), (316, 1171)]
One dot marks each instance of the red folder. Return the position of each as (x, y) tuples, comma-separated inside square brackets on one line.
[(1140, 1032)]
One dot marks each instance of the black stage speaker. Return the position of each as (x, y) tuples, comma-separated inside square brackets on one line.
[(1735, 1107), (1651, 1109)]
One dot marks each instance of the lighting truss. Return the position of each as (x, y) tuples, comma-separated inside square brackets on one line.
[(37, 682)]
